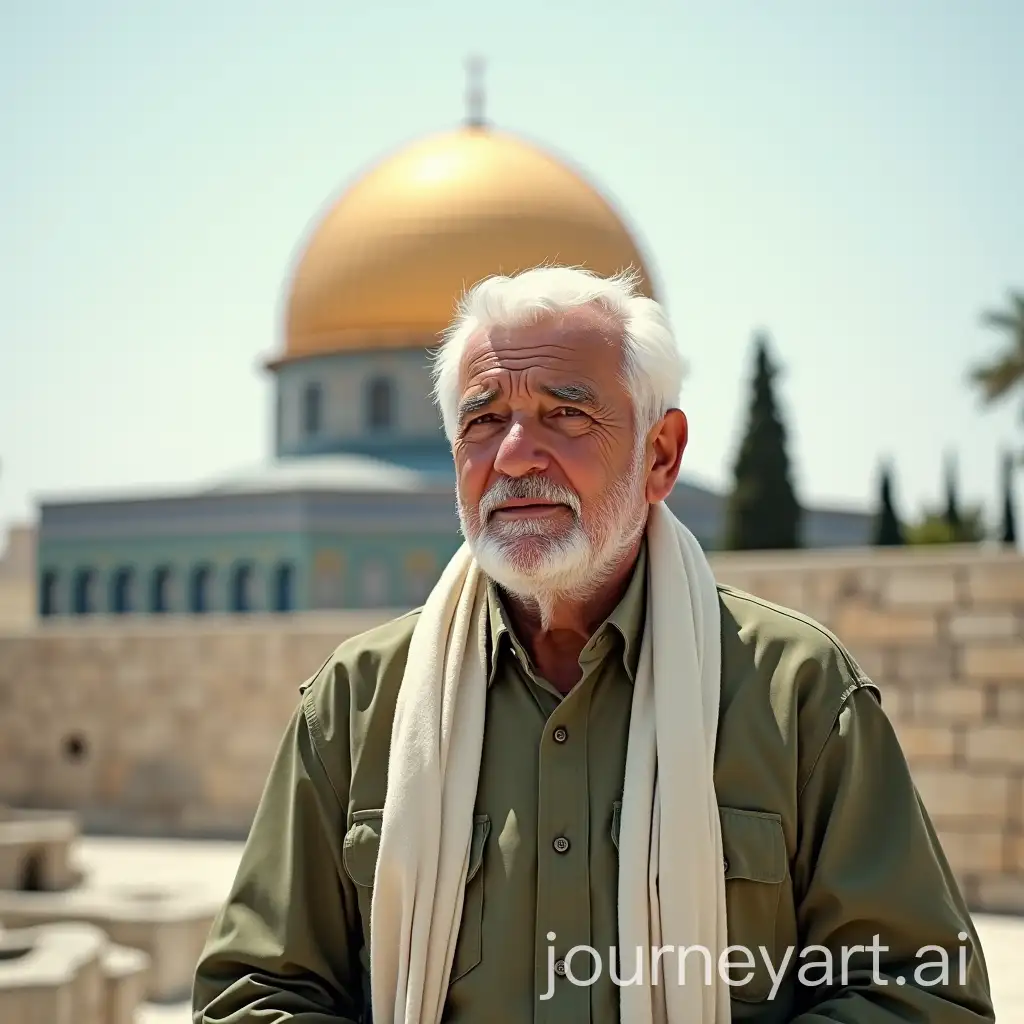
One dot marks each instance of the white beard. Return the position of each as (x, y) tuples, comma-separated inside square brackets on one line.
[(542, 564)]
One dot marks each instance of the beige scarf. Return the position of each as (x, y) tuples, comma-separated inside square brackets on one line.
[(671, 887)]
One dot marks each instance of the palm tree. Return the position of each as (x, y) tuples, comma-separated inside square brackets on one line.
[(1005, 373)]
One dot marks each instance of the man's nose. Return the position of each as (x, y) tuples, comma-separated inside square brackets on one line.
[(519, 453)]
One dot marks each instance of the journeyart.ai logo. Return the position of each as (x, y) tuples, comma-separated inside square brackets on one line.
[(736, 965)]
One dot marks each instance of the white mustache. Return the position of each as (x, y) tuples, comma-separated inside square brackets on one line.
[(526, 487)]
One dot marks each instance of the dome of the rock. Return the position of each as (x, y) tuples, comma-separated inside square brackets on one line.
[(386, 265)]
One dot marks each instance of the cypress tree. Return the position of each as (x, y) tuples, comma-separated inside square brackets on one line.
[(888, 531), (953, 518), (1009, 513), (762, 512)]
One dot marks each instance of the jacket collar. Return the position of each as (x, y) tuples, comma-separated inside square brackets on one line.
[(626, 622)]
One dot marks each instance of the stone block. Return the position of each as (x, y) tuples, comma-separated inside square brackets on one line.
[(36, 849), (928, 665), (969, 889), (1009, 702), (954, 795), (973, 852), (16, 778), (784, 589), (949, 702), (858, 623), (996, 583), (126, 979), (1015, 854), (1000, 894), (921, 588), (898, 704), (994, 661), (996, 744), (984, 625), (52, 975), (926, 744), (839, 585), (876, 662)]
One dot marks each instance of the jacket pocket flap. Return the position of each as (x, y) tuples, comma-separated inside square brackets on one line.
[(362, 844), (754, 845), (481, 829)]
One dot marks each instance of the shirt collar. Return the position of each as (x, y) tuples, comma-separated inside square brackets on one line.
[(626, 619)]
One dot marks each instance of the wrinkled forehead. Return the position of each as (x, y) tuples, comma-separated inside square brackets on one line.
[(584, 342)]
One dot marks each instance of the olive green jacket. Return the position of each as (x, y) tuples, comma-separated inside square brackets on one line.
[(826, 842)]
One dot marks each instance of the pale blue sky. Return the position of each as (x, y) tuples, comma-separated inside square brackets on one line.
[(848, 175)]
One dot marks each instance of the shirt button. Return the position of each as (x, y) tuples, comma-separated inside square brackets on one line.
[(560, 967), (561, 844), (561, 734)]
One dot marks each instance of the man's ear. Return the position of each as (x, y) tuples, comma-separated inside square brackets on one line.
[(666, 443)]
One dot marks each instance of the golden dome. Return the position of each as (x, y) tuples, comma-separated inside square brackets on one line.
[(389, 261)]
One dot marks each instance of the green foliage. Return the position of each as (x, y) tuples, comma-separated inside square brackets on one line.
[(935, 528), (762, 512), (953, 524), (1003, 375), (888, 531)]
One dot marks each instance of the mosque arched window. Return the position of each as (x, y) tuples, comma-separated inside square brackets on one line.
[(380, 404), (83, 592), (375, 585), (241, 587), (284, 587), (327, 582), (161, 595), (420, 575), (312, 409), (48, 593), (121, 591), (199, 589)]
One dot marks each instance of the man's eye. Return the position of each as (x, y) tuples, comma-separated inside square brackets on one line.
[(569, 411)]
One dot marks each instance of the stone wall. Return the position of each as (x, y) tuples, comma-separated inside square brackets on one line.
[(17, 604), (942, 633), (18, 577), (155, 725), (170, 725)]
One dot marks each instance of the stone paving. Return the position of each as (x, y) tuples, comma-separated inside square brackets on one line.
[(210, 866)]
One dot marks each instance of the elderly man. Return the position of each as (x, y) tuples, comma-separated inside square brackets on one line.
[(584, 783)]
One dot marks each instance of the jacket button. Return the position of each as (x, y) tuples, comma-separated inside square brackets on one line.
[(560, 968), (561, 734), (725, 863), (561, 844)]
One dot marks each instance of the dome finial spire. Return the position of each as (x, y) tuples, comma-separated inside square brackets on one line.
[(475, 92)]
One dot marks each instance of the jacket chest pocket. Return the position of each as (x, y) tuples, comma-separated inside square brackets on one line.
[(756, 868), (359, 857)]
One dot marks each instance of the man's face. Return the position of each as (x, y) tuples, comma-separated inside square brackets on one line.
[(551, 481)]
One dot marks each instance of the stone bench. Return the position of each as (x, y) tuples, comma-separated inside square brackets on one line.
[(169, 926), (53, 975), (36, 850), (69, 973), (126, 973)]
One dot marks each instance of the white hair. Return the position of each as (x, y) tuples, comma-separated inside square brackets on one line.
[(653, 365)]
